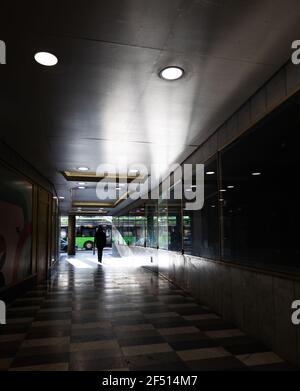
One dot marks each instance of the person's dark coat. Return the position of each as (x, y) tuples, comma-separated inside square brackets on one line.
[(100, 238)]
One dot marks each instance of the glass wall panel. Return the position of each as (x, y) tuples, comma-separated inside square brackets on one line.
[(201, 227), (174, 223), (163, 233), (260, 209), (140, 227), (115, 230), (152, 228)]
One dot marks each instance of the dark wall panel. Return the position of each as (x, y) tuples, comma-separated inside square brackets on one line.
[(15, 227)]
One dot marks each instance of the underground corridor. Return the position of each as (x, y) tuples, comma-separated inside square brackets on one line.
[(149, 162)]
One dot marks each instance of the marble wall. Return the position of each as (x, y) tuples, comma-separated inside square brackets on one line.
[(257, 302)]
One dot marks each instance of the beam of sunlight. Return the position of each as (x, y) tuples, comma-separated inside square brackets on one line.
[(78, 264), (94, 260)]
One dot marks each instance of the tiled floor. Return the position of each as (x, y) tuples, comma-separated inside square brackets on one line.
[(111, 317)]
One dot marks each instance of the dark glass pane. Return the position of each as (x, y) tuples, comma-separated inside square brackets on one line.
[(174, 223), (260, 203), (201, 227)]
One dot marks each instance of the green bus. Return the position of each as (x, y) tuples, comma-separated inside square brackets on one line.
[(85, 236)]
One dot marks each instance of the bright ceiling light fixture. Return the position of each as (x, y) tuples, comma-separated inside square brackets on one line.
[(82, 168), (81, 183), (256, 173), (45, 58), (210, 173), (81, 187), (171, 73)]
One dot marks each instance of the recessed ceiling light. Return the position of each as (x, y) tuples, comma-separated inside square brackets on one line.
[(223, 190), (81, 183), (81, 187), (82, 168), (171, 73), (45, 58), (230, 187), (256, 173), (210, 173)]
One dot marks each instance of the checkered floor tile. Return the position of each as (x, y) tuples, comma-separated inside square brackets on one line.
[(109, 317)]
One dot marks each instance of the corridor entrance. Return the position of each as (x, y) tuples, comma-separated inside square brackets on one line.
[(83, 234)]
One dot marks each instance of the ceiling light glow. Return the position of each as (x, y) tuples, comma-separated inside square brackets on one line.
[(171, 73), (46, 58), (82, 168)]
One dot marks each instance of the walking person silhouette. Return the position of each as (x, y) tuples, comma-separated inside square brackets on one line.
[(100, 242)]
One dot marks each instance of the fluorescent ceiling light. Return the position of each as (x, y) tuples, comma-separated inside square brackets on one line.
[(82, 168), (256, 173), (171, 73), (45, 58), (81, 187), (210, 173), (230, 187), (81, 183), (61, 198)]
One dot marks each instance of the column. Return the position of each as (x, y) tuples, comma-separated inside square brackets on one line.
[(71, 234)]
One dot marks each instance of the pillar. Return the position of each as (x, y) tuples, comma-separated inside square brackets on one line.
[(71, 234)]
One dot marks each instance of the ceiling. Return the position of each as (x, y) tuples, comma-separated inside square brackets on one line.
[(104, 101)]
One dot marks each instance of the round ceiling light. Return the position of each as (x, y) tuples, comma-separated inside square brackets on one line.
[(45, 58), (171, 73)]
